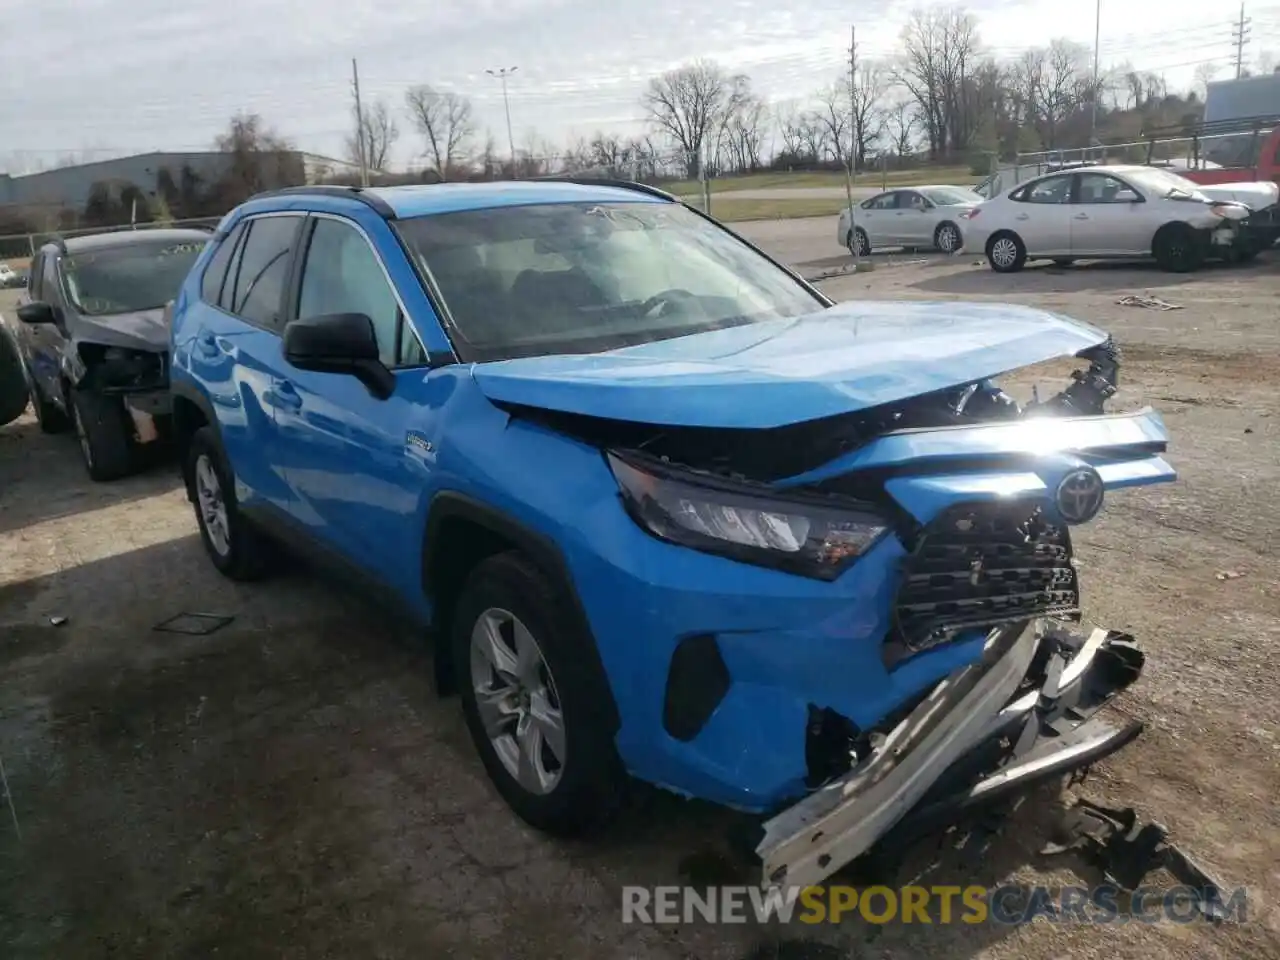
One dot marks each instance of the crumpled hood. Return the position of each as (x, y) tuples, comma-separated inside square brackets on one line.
[(144, 330), (849, 357), (1258, 196)]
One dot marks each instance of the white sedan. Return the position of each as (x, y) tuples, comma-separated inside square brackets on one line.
[(1114, 212), (918, 217)]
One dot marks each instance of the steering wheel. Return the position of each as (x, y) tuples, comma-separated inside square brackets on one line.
[(656, 305)]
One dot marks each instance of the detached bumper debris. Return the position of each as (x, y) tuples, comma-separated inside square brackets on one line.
[(1152, 303), (1127, 850), (1021, 716)]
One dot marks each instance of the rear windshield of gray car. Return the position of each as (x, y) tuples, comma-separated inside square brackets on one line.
[(543, 279), (130, 277)]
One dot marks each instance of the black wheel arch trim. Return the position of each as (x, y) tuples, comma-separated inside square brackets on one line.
[(189, 392), (449, 505)]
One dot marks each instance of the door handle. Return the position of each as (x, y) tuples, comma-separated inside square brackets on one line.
[(1023, 216), (1081, 216), (287, 396)]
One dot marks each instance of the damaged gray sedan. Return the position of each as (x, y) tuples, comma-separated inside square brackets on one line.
[(94, 338)]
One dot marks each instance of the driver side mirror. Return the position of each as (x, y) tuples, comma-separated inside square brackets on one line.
[(38, 312), (343, 343)]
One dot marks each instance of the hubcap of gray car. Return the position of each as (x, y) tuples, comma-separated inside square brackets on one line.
[(948, 238), (1004, 252), (517, 701), (212, 506)]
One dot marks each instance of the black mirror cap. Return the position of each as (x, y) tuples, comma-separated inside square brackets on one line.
[(37, 312), (339, 343), (341, 340)]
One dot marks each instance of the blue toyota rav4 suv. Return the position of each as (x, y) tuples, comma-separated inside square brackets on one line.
[(670, 513)]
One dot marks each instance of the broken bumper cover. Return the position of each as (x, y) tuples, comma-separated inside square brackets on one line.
[(1019, 716)]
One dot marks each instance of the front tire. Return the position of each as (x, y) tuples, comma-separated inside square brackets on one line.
[(1006, 252), (1177, 249), (238, 550), (858, 243), (48, 414), (106, 442), (535, 708)]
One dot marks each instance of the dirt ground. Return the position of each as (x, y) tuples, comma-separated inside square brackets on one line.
[(290, 787)]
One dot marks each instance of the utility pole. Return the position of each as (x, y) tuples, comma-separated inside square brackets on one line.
[(360, 132), (853, 144), (1240, 34), (1093, 109), (502, 73)]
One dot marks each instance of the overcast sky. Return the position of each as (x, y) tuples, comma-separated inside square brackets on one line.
[(113, 76)]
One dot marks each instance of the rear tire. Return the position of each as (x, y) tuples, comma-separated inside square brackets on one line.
[(1006, 252), (236, 547), (1177, 249), (106, 442), (947, 238), (509, 601)]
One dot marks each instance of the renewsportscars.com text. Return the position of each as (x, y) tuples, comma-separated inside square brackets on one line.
[(1010, 904)]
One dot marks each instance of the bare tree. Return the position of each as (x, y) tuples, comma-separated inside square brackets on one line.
[(901, 123), (688, 106), (867, 111), (444, 119), (374, 133), (834, 117), (743, 126), (940, 53), (1204, 75), (259, 159)]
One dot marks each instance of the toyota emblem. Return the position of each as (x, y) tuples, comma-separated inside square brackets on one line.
[(1079, 495)]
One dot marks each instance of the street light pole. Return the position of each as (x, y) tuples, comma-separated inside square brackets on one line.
[(502, 73)]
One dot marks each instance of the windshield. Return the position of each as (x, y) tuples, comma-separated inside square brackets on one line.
[(949, 196), (585, 277), (1163, 183), (130, 277)]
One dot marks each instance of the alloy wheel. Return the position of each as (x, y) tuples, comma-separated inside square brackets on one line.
[(1004, 252), (517, 701), (213, 506), (948, 238)]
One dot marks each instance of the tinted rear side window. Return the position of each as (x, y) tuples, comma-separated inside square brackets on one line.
[(216, 272), (263, 269)]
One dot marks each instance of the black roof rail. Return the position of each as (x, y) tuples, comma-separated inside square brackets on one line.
[(333, 190), (612, 182)]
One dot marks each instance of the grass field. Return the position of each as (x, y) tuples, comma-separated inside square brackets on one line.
[(729, 209), (784, 181)]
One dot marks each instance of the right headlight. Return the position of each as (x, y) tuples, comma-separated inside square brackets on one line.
[(798, 536)]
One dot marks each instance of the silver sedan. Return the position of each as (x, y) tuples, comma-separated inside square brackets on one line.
[(918, 217)]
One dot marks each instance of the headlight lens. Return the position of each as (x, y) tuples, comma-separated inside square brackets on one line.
[(813, 540)]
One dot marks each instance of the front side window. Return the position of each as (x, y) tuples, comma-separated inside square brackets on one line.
[(586, 277), (130, 277), (256, 283), (342, 274), (886, 201)]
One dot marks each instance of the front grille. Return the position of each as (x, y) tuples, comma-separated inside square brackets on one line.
[(983, 564)]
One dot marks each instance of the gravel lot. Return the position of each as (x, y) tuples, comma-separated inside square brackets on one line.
[(289, 787)]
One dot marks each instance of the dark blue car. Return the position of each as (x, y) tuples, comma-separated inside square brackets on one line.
[(670, 513)]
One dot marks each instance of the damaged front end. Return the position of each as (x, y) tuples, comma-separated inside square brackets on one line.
[(893, 644), (133, 369)]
